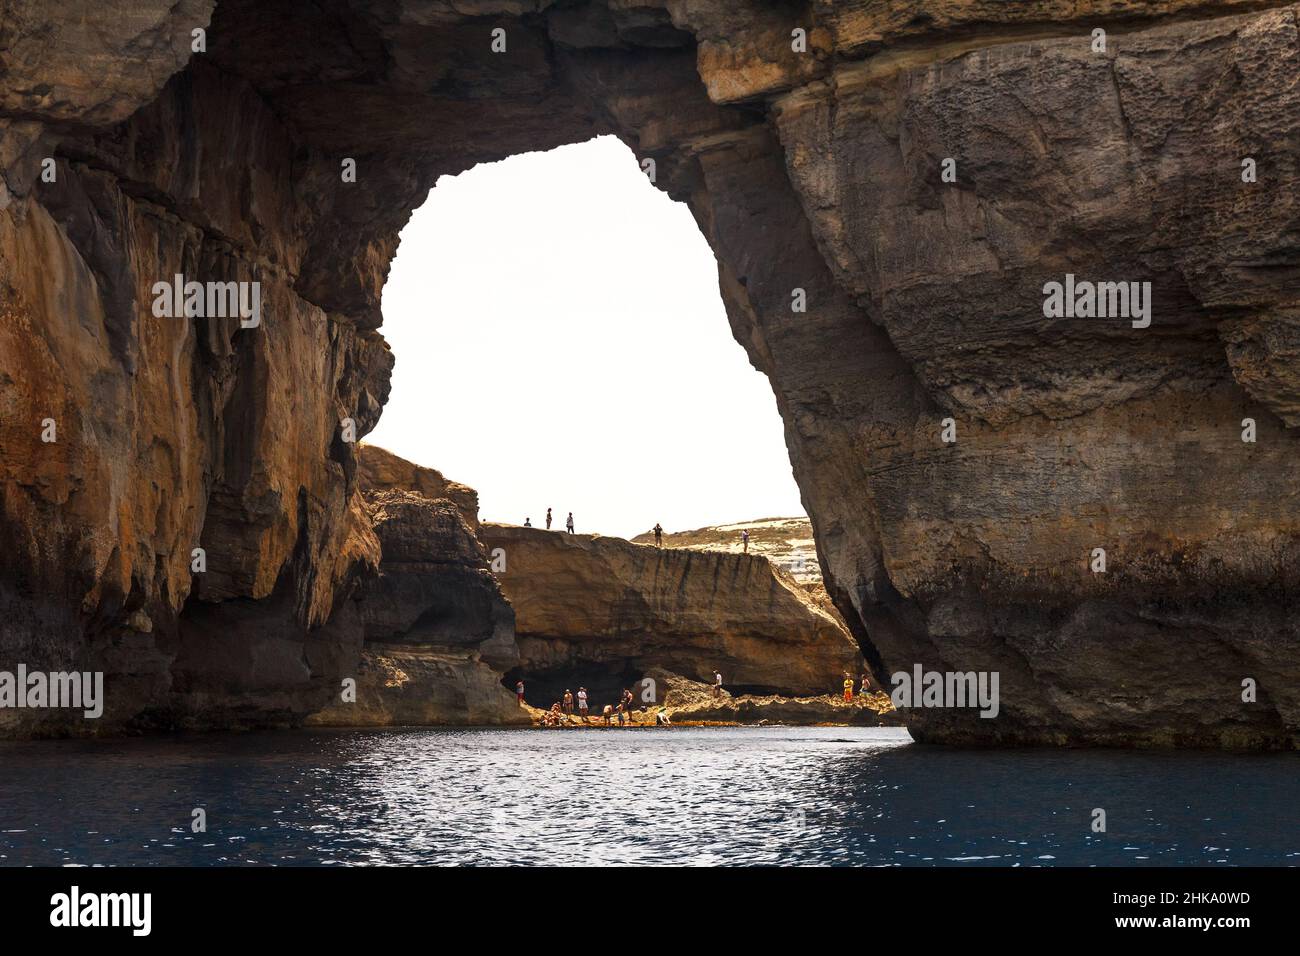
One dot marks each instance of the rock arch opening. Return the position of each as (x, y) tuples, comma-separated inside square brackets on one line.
[(560, 342), (563, 316)]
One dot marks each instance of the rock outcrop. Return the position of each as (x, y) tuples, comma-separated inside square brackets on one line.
[(404, 686), (602, 612), (438, 632), (786, 542), (916, 173), (691, 702), (378, 470)]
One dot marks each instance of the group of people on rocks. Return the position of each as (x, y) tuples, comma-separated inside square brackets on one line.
[(570, 705), (658, 530), (659, 537), (568, 523), (577, 705)]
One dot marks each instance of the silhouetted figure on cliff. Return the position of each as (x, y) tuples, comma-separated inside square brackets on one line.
[(659, 535), (569, 523), (548, 519), (744, 540), (528, 522)]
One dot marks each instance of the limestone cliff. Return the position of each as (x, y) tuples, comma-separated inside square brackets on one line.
[(438, 632), (915, 172), (602, 612)]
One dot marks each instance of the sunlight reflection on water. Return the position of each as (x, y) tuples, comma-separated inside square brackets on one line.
[(864, 796)]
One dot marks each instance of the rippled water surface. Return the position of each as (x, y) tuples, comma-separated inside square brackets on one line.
[(681, 796)]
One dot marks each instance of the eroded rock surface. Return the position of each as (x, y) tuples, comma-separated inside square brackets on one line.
[(593, 610), (438, 632), (816, 170)]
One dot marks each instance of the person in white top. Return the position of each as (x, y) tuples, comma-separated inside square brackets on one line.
[(717, 683), (582, 701)]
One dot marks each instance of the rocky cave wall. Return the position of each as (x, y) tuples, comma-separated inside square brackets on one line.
[(818, 171)]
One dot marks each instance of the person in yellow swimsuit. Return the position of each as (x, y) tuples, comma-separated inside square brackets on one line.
[(848, 689)]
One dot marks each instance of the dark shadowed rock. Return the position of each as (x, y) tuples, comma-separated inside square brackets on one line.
[(438, 632)]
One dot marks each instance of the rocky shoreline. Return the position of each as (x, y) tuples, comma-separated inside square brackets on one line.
[(690, 703)]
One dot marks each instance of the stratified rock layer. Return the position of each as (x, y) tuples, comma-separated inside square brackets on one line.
[(818, 171), (589, 609)]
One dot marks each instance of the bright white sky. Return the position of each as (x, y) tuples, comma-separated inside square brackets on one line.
[(561, 342)]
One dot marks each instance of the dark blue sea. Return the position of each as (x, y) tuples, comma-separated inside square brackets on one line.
[(809, 796)]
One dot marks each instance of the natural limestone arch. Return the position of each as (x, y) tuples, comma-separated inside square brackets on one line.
[(818, 169)]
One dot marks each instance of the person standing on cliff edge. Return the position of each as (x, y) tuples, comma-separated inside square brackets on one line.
[(659, 535), (744, 540), (569, 523), (548, 519)]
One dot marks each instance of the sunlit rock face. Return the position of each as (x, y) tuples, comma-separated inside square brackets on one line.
[(595, 611), (812, 161)]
